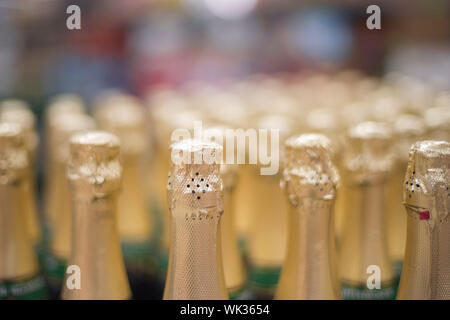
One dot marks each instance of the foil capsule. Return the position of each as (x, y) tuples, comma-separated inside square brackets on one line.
[(427, 201), (310, 181), (194, 191), (94, 173)]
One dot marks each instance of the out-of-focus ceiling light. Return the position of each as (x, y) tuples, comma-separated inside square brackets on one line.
[(230, 9)]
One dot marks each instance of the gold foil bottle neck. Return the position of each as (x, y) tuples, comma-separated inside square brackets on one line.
[(427, 178), (94, 162), (94, 173), (308, 171), (195, 200), (13, 154), (368, 156), (310, 180)]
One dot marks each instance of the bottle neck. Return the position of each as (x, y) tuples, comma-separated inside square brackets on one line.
[(195, 261), (234, 270), (61, 215), (133, 219), (363, 241), (96, 248), (309, 269), (17, 259), (427, 259)]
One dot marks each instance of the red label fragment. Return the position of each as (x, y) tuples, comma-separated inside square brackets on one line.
[(424, 215)]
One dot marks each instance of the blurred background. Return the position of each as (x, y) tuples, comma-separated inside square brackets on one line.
[(139, 44)]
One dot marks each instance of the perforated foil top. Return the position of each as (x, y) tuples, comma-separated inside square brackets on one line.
[(13, 153), (308, 171), (195, 199), (94, 162), (368, 155), (427, 180), (194, 180)]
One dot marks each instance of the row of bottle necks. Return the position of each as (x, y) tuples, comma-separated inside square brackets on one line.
[(146, 266)]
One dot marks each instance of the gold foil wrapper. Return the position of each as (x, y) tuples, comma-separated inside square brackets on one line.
[(367, 161), (17, 259), (59, 214), (309, 180), (426, 270), (19, 112), (195, 200), (94, 172)]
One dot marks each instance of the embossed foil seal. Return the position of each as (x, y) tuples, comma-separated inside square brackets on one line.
[(13, 153), (309, 172), (194, 180), (427, 180), (368, 155), (94, 162)]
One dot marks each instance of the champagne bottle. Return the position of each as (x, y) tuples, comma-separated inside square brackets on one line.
[(195, 200), (19, 270), (426, 198), (59, 218), (95, 173), (309, 180), (59, 105), (19, 112), (407, 129), (267, 234), (123, 116), (364, 259), (167, 115)]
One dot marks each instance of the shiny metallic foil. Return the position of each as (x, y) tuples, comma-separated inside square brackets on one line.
[(195, 201), (95, 174), (366, 163), (309, 180), (17, 259), (19, 112), (426, 270)]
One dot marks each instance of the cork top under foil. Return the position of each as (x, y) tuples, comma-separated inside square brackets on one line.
[(427, 179), (13, 153), (194, 180), (367, 155), (308, 171), (94, 161)]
